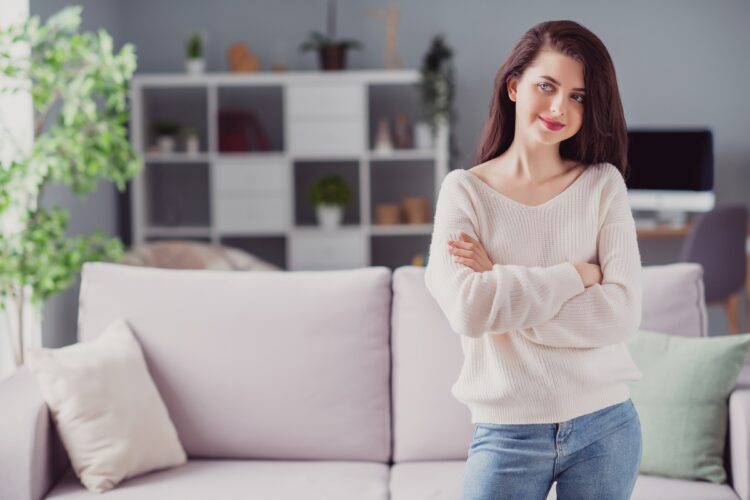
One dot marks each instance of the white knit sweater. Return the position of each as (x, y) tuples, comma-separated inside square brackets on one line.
[(538, 346)]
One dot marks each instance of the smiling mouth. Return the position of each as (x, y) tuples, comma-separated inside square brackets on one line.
[(550, 125)]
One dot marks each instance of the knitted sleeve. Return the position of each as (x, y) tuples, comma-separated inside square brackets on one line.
[(502, 299), (610, 312)]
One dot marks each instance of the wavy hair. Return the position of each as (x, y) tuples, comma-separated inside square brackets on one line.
[(603, 136)]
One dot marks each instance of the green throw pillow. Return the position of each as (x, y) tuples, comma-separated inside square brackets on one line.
[(682, 401)]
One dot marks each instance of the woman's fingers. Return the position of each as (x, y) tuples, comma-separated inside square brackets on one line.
[(459, 251), (467, 262), (461, 244)]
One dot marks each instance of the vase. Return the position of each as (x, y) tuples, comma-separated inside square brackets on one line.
[(415, 209), (383, 141), (329, 216), (195, 66), (332, 57), (423, 135), (192, 145), (165, 143)]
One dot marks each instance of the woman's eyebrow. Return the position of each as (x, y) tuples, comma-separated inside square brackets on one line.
[(558, 83)]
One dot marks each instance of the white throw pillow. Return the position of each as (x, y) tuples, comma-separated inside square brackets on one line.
[(109, 414)]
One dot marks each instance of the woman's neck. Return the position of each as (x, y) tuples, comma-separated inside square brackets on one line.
[(537, 165)]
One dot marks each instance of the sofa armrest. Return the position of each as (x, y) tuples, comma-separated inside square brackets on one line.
[(32, 458), (739, 441)]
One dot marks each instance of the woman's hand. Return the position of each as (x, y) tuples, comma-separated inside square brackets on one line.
[(470, 252), (591, 274)]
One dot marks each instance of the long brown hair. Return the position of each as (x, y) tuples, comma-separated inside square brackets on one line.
[(603, 136)]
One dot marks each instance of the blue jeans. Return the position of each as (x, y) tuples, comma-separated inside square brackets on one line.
[(592, 457)]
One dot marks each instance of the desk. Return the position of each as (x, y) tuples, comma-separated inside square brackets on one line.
[(664, 230), (731, 304)]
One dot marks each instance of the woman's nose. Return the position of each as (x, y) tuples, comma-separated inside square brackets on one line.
[(558, 106)]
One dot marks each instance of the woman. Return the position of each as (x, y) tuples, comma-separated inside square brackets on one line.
[(534, 261)]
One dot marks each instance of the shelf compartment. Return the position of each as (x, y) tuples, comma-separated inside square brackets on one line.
[(391, 181), (401, 229), (397, 251), (271, 248), (386, 102), (246, 176), (306, 173), (328, 250), (326, 101), (177, 194), (250, 119), (252, 213), (185, 106), (199, 239), (321, 136), (178, 232)]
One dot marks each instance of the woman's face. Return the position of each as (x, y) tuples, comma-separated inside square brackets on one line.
[(551, 88)]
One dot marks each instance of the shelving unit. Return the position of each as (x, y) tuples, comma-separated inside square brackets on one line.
[(313, 123)]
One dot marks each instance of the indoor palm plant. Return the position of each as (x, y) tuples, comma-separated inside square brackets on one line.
[(78, 86)]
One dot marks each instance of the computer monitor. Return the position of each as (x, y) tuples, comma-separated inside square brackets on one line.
[(671, 171)]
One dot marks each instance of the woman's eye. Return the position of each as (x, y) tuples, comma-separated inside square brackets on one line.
[(576, 97)]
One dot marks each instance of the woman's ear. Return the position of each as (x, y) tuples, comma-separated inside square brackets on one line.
[(512, 88)]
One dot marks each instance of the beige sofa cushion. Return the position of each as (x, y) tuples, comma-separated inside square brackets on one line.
[(107, 409), (261, 365)]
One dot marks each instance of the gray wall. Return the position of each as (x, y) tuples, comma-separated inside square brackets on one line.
[(679, 63)]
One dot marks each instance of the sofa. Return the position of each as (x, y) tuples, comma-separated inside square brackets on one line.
[(325, 385)]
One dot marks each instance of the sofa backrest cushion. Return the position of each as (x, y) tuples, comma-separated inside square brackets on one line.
[(674, 300), (428, 422), (259, 364)]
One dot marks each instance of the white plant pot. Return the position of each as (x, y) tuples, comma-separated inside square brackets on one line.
[(165, 143), (192, 145), (423, 135), (195, 66), (329, 216)]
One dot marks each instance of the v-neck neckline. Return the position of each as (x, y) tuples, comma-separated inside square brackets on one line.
[(558, 196)]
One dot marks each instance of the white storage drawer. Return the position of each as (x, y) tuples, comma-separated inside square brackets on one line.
[(252, 213), (343, 136), (330, 250), (254, 176), (326, 100)]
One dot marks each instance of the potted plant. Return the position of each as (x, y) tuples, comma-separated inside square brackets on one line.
[(166, 135), (192, 141), (195, 63), (437, 88), (331, 52), (81, 143), (330, 195)]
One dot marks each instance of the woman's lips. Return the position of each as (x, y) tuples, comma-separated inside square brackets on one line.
[(550, 125)]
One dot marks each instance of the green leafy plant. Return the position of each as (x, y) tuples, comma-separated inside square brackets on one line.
[(438, 90), (78, 86), (330, 189), (166, 128), (189, 131), (194, 46), (437, 83), (317, 40)]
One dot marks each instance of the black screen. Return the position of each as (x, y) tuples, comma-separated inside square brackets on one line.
[(681, 160)]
